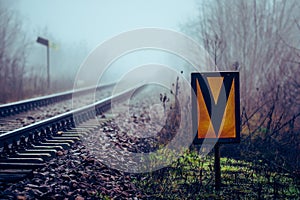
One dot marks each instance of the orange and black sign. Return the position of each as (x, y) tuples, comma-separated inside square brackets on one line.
[(216, 107)]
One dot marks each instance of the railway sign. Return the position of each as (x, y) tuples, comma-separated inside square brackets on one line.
[(46, 42), (216, 107), (42, 41)]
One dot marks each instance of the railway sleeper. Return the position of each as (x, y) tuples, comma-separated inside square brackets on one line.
[(14, 175), (12, 171), (31, 156), (82, 129), (90, 127), (48, 147), (74, 139), (79, 130), (79, 133), (51, 152), (73, 131), (61, 140), (23, 165), (91, 124), (21, 160), (50, 144), (27, 154), (75, 135)]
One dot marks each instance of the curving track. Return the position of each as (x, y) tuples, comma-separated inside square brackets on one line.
[(29, 147), (23, 113)]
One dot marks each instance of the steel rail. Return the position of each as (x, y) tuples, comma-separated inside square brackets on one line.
[(25, 105), (62, 121)]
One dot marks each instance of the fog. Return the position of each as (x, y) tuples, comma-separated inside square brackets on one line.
[(76, 28)]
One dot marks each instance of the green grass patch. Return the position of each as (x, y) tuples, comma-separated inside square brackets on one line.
[(192, 177)]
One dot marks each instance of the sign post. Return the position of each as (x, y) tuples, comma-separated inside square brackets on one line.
[(216, 111), (217, 166), (45, 42)]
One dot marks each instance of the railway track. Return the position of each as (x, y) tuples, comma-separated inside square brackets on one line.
[(53, 159), (23, 113), (70, 155), (28, 148)]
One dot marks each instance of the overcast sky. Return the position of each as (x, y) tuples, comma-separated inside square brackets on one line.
[(96, 20), (90, 22)]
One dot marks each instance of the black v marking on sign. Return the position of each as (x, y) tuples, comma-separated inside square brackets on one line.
[(216, 110)]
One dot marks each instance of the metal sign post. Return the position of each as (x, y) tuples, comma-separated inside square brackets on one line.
[(217, 166), (216, 111), (48, 67), (45, 42)]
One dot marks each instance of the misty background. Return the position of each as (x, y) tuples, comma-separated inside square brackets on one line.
[(258, 38), (74, 29)]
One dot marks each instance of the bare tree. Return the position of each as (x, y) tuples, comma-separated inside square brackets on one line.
[(12, 56), (260, 38), (247, 33)]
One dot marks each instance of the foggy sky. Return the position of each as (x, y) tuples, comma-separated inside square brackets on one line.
[(96, 20), (77, 27)]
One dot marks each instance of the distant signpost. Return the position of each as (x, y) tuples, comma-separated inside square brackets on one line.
[(45, 42), (216, 111)]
